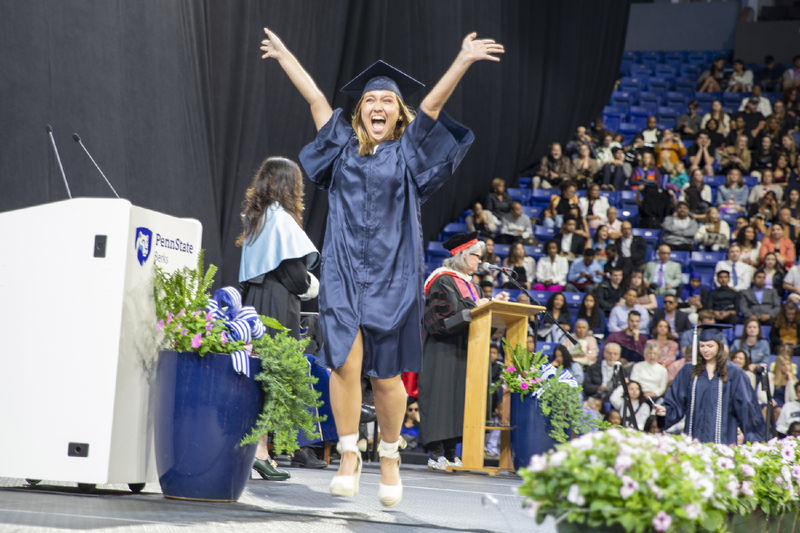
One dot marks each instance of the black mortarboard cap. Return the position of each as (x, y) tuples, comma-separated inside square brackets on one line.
[(382, 76), (460, 241), (711, 332)]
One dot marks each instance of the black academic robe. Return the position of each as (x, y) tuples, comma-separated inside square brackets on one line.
[(275, 294), (444, 359), (739, 407)]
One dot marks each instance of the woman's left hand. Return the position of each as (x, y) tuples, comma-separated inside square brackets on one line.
[(502, 297), (474, 49)]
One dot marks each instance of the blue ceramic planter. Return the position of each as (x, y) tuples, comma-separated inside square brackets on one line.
[(203, 409), (530, 435)]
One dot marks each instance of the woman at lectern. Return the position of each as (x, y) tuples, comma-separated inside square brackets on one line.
[(276, 259), (378, 168)]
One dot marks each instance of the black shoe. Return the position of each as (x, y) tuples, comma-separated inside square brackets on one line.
[(305, 458), (268, 470)]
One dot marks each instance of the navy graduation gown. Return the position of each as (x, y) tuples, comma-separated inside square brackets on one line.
[(739, 406), (372, 259)]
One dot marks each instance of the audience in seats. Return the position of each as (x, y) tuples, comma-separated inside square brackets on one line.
[(713, 79), (786, 327), (732, 196), (523, 266), (773, 271), (790, 413), (769, 75), (594, 207), (586, 167), (701, 155), (644, 296), (766, 184), (571, 244), (781, 246), (551, 270), (631, 246), (754, 121), (723, 301), (481, 221), (791, 76), (585, 273), (598, 379), (714, 233), (669, 351), (651, 134), (650, 373), (679, 229), (697, 195), (585, 352), (631, 338), (760, 302), (561, 204), (690, 123), (718, 114), (515, 225), (594, 316), (618, 320), (641, 408), (663, 276), (617, 172), (498, 201), (741, 274), (554, 169), (752, 342), (677, 320), (741, 80)]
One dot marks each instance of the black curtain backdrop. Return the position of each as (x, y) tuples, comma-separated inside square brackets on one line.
[(176, 105)]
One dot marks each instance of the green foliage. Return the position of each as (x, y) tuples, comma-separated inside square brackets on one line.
[(561, 402), (288, 390)]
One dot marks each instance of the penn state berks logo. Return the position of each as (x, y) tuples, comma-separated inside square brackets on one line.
[(142, 242)]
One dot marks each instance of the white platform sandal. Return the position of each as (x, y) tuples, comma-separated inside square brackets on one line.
[(347, 486), (390, 495)]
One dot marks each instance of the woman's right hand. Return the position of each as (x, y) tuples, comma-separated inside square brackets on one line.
[(272, 46)]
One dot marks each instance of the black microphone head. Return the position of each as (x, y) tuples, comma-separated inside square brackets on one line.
[(76, 137), (49, 128)]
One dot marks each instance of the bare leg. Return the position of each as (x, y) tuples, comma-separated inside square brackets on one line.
[(390, 406), (345, 389), (262, 451)]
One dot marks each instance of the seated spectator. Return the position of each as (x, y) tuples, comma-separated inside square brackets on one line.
[(679, 229), (782, 171), (718, 114), (663, 276), (598, 130), (594, 316), (766, 184), (631, 338), (713, 78), (760, 302), (570, 243), (515, 225), (716, 140), (554, 168), (586, 167), (782, 247), (634, 247), (754, 121), (769, 76), (677, 320), (581, 138), (604, 151), (617, 172), (678, 179), (732, 197), (668, 350), (701, 155), (764, 105), (561, 358), (786, 122), (409, 432), (792, 201), (618, 319), (763, 157), (641, 408), (773, 271), (644, 296), (749, 246), (737, 156), (655, 203), (669, 151), (783, 377), (740, 223), (751, 342), (599, 377), (613, 224), (523, 266), (790, 414), (610, 291), (600, 242), (704, 316), (551, 270), (650, 373), (594, 207), (764, 213), (714, 233), (613, 418), (581, 227), (613, 260), (737, 130), (789, 147), (558, 314), (723, 301), (788, 223), (741, 80), (741, 274), (585, 352), (791, 76), (697, 195), (740, 359), (561, 204), (646, 172), (689, 123), (499, 201), (651, 134), (693, 296), (584, 273), (482, 221)]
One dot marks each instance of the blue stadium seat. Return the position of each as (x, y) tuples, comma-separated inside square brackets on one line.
[(533, 211), (543, 233), (666, 71), (519, 195), (612, 122), (513, 294), (501, 250), (541, 296), (574, 300), (730, 218), (750, 181), (611, 196), (630, 213), (732, 99), (714, 181), (531, 249), (678, 256), (453, 228), (677, 100), (542, 196), (640, 70), (706, 258), (648, 99), (627, 198), (659, 85), (524, 182), (626, 128), (546, 348), (435, 252), (651, 236)]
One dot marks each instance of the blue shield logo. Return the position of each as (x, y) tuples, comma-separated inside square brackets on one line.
[(142, 242)]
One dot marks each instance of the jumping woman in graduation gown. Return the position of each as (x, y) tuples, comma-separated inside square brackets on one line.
[(378, 168), (276, 259), (715, 396)]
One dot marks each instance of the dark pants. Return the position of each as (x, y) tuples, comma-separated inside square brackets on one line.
[(613, 175), (446, 447)]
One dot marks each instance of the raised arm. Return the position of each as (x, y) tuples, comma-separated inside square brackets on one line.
[(472, 50), (274, 48)]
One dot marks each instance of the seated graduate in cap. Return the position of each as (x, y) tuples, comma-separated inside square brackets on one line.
[(378, 168), (714, 395)]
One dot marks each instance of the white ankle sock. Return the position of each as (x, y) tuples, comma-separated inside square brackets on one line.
[(348, 443)]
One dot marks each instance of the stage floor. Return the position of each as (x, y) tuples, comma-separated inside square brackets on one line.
[(432, 501)]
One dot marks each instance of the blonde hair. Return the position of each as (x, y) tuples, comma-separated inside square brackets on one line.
[(366, 146), (779, 379)]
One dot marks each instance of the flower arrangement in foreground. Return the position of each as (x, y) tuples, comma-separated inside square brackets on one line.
[(559, 395), (189, 320), (645, 482)]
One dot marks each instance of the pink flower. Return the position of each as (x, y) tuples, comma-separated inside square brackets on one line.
[(209, 326), (524, 385), (510, 368), (160, 325), (629, 486), (574, 496), (197, 340), (223, 338), (181, 313), (747, 488), (184, 331), (748, 470), (169, 318), (662, 521), (209, 316)]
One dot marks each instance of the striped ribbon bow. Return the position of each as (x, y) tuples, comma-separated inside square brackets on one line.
[(549, 371), (242, 324)]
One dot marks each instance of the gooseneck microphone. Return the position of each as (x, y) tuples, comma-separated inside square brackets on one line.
[(78, 140), (49, 129), (489, 266)]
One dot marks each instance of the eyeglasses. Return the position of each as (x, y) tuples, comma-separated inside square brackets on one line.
[(413, 409), (476, 255)]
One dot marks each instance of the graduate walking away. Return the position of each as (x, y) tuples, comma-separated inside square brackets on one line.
[(714, 394), (378, 168)]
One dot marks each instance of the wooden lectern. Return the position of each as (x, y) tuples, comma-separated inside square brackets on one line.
[(514, 318)]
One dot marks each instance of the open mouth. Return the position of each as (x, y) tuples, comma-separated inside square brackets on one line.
[(378, 124)]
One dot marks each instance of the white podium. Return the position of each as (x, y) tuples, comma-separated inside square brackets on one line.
[(78, 337)]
